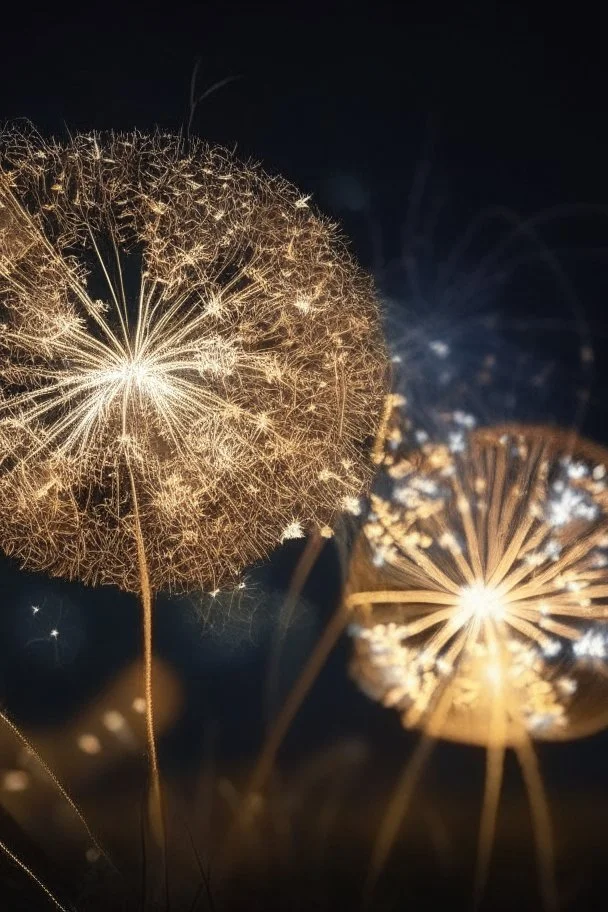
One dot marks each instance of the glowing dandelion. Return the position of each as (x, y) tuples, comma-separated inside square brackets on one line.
[(485, 565), (191, 364), (479, 594), (233, 414)]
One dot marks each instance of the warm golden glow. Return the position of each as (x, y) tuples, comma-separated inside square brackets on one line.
[(180, 325), (482, 573), (480, 601), (478, 593), (191, 370)]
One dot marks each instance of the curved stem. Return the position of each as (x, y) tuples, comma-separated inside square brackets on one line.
[(296, 697), (495, 758), (306, 562), (393, 817), (402, 796), (146, 600), (156, 814), (53, 778), (541, 821), (280, 727), (20, 864)]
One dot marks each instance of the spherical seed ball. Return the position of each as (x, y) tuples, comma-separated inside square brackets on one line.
[(181, 337), (479, 585)]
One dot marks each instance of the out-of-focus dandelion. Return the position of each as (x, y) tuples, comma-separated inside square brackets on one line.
[(479, 593), (191, 365)]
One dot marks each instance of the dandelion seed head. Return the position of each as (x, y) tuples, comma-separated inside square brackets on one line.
[(477, 579), (176, 323)]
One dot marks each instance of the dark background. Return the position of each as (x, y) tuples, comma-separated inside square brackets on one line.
[(404, 123)]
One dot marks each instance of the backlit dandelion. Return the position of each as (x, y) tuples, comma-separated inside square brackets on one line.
[(479, 591), (191, 364)]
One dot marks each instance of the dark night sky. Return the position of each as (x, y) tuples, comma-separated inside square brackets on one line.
[(507, 106), (516, 98)]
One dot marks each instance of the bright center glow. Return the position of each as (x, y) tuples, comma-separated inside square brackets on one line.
[(138, 372), (129, 371), (142, 375), (135, 372), (481, 601)]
